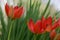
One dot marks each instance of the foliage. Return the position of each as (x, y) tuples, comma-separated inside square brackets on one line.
[(19, 30)]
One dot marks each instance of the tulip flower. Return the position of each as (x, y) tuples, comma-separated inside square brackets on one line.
[(52, 35), (35, 27), (42, 25), (56, 24), (13, 12)]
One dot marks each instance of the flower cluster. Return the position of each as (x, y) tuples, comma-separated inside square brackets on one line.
[(43, 25)]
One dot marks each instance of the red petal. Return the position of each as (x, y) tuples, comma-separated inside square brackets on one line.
[(44, 23), (55, 25), (31, 25), (52, 34), (43, 19), (49, 20), (18, 12), (7, 9), (39, 24), (38, 27), (49, 28), (16, 7)]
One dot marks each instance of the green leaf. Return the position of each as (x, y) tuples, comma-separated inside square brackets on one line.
[(43, 13), (3, 26)]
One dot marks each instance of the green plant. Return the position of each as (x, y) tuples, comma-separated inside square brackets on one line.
[(19, 29)]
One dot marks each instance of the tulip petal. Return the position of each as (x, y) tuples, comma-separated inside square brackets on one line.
[(16, 7), (31, 25), (49, 20), (38, 27), (18, 12), (52, 34), (49, 28), (44, 23), (7, 9), (55, 25), (39, 24)]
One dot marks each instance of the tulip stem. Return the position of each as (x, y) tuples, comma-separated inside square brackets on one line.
[(35, 36), (10, 30)]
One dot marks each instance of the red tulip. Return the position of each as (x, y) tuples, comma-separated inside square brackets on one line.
[(56, 24), (52, 35), (42, 25), (13, 12), (47, 24), (51, 26), (35, 27)]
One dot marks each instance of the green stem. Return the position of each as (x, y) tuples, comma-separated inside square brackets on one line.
[(35, 36), (10, 30)]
